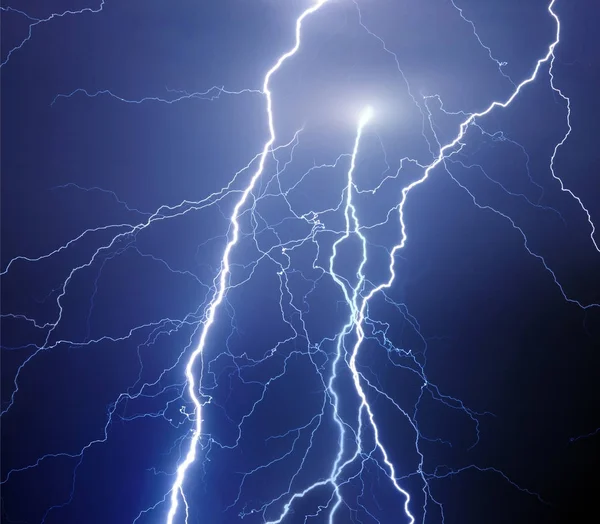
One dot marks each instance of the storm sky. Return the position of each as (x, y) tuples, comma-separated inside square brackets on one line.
[(130, 130)]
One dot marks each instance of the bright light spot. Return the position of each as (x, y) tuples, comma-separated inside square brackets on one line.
[(365, 116)]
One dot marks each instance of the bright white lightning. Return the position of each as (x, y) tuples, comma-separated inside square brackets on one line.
[(357, 295), (352, 299), (357, 318), (177, 487), (365, 116)]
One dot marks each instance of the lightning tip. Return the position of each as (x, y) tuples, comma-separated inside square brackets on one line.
[(366, 115)]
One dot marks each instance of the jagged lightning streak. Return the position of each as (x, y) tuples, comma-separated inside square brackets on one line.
[(38, 21), (351, 297), (447, 150), (356, 298), (501, 64), (357, 319), (177, 487), (364, 404), (564, 139)]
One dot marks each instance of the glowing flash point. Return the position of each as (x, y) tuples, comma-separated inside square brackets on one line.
[(365, 116)]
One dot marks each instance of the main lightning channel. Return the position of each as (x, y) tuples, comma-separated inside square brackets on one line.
[(217, 299)]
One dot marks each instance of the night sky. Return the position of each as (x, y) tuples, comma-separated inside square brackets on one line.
[(130, 132)]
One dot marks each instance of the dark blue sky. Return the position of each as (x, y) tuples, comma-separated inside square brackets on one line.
[(479, 363)]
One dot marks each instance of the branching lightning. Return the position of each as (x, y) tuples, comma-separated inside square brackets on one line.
[(221, 286), (187, 388)]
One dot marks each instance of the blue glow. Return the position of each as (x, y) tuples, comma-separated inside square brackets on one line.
[(280, 374)]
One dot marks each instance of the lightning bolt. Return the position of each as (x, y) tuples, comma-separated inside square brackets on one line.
[(219, 295), (360, 441), (34, 22)]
